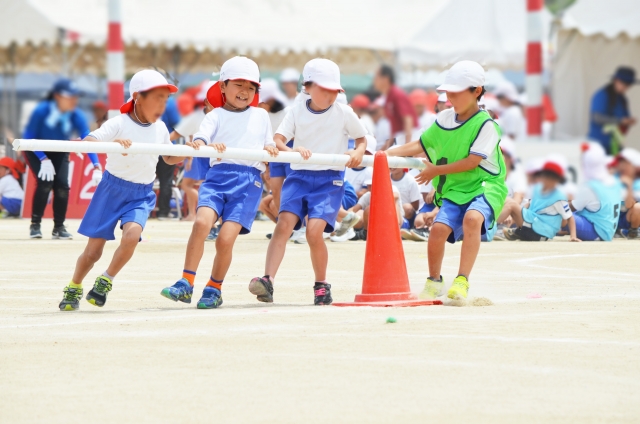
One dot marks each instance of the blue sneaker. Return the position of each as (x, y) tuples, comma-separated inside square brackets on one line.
[(181, 291), (213, 234), (211, 298)]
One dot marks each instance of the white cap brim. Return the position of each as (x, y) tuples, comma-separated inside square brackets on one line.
[(329, 86), (451, 88)]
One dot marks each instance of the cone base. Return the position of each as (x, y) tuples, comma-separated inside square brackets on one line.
[(385, 297), (392, 303)]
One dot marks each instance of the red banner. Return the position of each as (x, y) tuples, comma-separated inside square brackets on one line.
[(80, 184)]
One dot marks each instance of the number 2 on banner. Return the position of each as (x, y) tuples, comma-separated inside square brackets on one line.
[(85, 194)]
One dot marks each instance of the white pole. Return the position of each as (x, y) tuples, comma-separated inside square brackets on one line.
[(180, 150)]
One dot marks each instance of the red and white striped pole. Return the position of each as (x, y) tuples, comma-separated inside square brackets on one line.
[(115, 60), (535, 37)]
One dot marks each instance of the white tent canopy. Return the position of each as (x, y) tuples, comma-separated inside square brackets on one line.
[(491, 32), (596, 37)]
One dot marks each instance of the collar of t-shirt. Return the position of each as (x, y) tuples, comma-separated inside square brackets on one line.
[(316, 112)]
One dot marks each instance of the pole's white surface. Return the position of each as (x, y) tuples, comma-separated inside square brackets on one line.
[(177, 150)]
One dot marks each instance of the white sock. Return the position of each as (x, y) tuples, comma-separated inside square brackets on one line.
[(104, 274)]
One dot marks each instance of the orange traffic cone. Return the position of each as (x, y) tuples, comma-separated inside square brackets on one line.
[(385, 281)]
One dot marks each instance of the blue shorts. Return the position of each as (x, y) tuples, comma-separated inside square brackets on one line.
[(279, 170), (233, 192), (623, 222), (427, 207), (199, 168), (116, 200), (585, 230), (452, 215), (316, 194), (11, 205), (350, 198)]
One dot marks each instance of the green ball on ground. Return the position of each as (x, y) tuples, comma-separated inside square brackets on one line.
[(391, 320)]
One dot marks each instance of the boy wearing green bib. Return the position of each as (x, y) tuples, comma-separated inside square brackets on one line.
[(468, 172)]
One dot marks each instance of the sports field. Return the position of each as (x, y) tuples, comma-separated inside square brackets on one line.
[(561, 342)]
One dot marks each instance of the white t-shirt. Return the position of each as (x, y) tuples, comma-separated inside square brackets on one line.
[(249, 129), (382, 132), (276, 118), (561, 207), (10, 188), (321, 132), (426, 120), (190, 124), (365, 201), (408, 188), (358, 177), (369, 125), (139, 169), (513, 123), (516, 182), (587, 199), (485, 145)]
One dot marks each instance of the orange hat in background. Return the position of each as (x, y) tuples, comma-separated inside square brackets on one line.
[(16, 168), (418, 97), (360, 101)]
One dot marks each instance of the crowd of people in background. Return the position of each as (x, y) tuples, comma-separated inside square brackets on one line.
[(543, 199)]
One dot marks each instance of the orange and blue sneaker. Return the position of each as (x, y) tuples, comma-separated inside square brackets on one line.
[(181, 291), (211, 298), (459, 288)]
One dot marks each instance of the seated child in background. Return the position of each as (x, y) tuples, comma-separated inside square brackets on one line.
[(628, 167), (357, 177), (543, 217), (11, 194), (363, 207), (424, 217), (409, 192), (597, 202)]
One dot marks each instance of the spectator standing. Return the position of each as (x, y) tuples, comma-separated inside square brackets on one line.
[(397, 107), (164, 171)]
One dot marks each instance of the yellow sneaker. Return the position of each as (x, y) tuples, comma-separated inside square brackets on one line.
[(459, 288), (432, 288)]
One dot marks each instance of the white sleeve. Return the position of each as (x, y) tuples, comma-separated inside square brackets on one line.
[(287, 127), (584, 197), (3, 185), (353, 124), (486, 143), (562, 207), (189, 124), (109, 131), (365, 200), (268, 137), (208, 128), (414, 193), (166, 137)]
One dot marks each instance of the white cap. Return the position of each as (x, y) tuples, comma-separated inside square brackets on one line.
[(371, 144), (240, 68), (490, 103), (290, 75), (534, 165), (322, 72), (202, 94), (595, 162), (631, 155), (508, 90), (145, 80), (342, 98), (462, 76), (442, 98), (271, 90)]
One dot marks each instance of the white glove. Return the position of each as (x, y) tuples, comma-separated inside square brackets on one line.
[(96, 177), (46, 170)]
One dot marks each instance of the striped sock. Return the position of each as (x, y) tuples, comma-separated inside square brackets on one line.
[(190, 276), (215, 283)]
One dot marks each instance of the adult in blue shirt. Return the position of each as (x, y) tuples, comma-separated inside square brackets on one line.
[(610, 107), (55, 118), (165, 172)]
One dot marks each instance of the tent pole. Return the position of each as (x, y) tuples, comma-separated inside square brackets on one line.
[(535, 35), (115, 59)]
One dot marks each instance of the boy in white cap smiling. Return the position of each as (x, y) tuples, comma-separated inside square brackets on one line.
[(318, 125), (468, 173), (125, 193), (233, 188)]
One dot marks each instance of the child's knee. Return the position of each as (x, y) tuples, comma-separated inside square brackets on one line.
[(439, 232), (201, 225), (473, 219), (131, 236)]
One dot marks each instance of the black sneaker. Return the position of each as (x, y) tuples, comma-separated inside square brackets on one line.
[(70, 299), (98, 294), (34, 231), (632, 234), (420, 234), (360, 235), (269, 236), (262, 288), (61, 233), (322, 294)]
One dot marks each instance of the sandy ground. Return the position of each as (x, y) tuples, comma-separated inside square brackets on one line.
[(561, 342)]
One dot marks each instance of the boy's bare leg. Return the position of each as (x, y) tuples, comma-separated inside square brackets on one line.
[(131, 232), (514, 210), (224, 249), (275, 252), (92, 254), (471, 227), (318, 248), (435, 248), (188, 186), (205, 218)]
